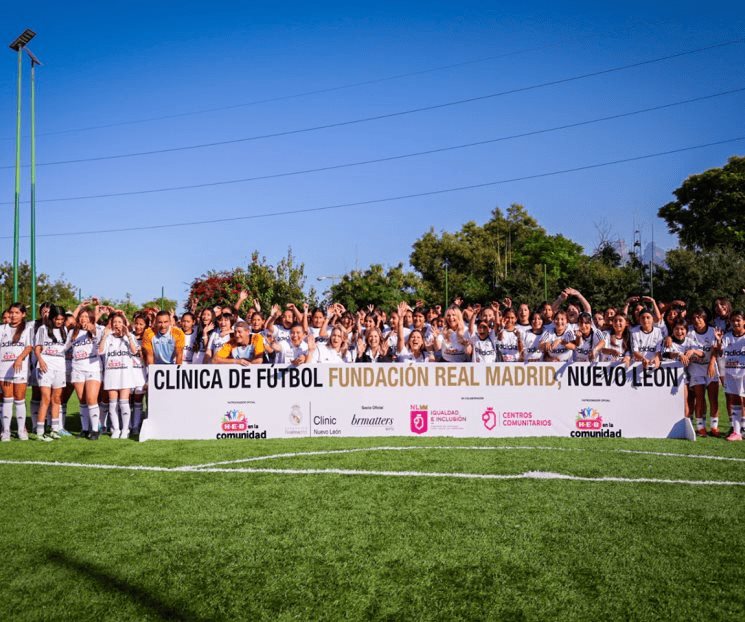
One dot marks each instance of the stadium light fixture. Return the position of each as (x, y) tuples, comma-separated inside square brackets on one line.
[(18, 45)]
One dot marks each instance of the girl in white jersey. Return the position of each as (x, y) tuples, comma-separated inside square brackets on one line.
[(481, 341), (219, 337), (589, 341), (16, 342), (49, 346), (140, 323), (705, 337), (453, 342), (82, 344), (557, 343), (732, 350), (191, 344), (617, 348), (646, 340), (508, 341), (333, 351), (532, 339), (118, 346), (722, 312), (411, 349)]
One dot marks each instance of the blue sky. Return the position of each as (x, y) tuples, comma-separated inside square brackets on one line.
[(108, 65)]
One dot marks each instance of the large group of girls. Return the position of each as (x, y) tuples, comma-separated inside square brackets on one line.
[(103, 356)]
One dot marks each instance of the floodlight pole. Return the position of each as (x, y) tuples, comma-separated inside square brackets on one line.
[(18, 45), (17, 199)]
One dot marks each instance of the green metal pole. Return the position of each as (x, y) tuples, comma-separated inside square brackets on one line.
[(16, 213), (446, 286), (33, 191), (545, 282), (162, 295)]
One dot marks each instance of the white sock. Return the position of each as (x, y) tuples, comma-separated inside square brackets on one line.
[(125, 411), (85, 420), (7, 413), (34, 413), (700, 423), (20, 414), (137, 417), (94, 415), (63, 414), (104, 410), (714, 422), (737, 410), (113, 417), (737, 423)]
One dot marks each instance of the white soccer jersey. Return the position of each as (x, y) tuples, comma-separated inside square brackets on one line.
[(506, 345), (647, 344), (702, 341), (675, 349), (483, 350), (191, 346), (84, 348), (280, 333), (531, 343), (10, 350), (289, 352), (324, 354), (733, 352), (560, 351), (587, 344), (451, 346), (52, 346), (617, 345), (117, 353), (407, 357)]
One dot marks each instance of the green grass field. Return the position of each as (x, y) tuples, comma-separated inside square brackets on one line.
[(233, 542)]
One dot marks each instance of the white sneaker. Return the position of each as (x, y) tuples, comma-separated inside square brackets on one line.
[(22, 434), (116, 433), (125, 434), (44, 437), (5, 436)]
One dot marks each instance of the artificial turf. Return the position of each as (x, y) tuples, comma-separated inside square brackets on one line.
[(85, 544)]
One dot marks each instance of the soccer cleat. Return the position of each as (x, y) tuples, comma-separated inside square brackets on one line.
[(116, 434), (93, 436), (125, 434), (701, 432), (63, 432), (734, 437), (47, 438), (54, 435), (22, 435), (5, 436), (83, 434), (714, 432)]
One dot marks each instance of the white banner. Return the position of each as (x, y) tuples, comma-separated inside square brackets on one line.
[(458, 399)]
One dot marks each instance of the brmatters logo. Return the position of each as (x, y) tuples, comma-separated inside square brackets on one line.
[(235, 424), (589, 423), (419, 418)]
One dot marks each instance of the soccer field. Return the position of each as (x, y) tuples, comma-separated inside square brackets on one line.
[(372, 528)]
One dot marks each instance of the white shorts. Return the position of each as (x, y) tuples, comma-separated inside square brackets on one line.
[(139, 377), (8, 374), (697, 378), (118, 378), (93, 372), (54, 377), (734, 385)]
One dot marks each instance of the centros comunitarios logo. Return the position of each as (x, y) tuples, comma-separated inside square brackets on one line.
[(234, 421), (589, 419), (489, 417), (419, 418)]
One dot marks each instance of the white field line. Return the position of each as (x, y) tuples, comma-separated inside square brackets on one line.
[(364, 449), (529, 475), (451, 447)]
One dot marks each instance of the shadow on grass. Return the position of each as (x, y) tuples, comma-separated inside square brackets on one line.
[(112, 583)]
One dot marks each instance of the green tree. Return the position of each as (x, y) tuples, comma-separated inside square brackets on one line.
[(709, 208), (699, 277), (266, 283), (384, 288), (56, 291), (508, 255)]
